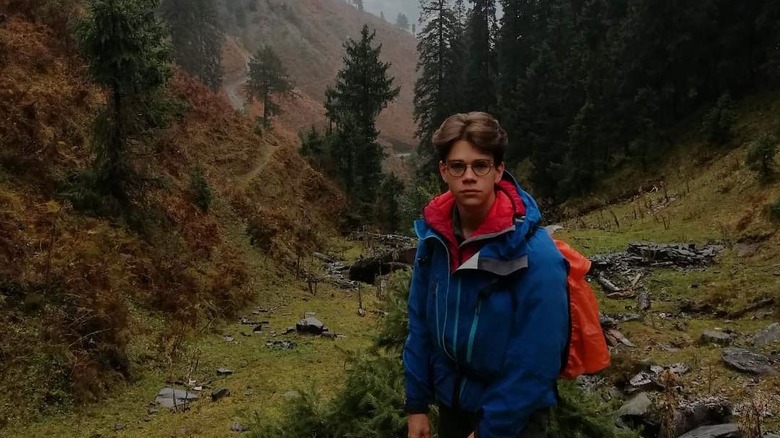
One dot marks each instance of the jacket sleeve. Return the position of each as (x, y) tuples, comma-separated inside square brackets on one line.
[(535, 353), (417, 350)]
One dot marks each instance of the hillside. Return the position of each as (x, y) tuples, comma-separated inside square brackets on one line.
[(308, 35), (88, 304)]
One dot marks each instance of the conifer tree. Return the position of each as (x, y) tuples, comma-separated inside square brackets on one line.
[(363, 89), (196, 37), (268, 80), (438, 91), (402, 22), (480, 87), (125, 45)]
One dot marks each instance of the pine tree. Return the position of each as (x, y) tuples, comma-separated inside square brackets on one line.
[(481, 71), (362, 90), (196, 37), (125, 45), (402, 22), (438, 91), (268, 80)]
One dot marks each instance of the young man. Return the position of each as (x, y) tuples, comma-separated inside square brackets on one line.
[(488, 305)]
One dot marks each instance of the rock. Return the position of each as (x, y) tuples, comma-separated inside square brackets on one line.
[(175, 398), (768, 335), (643, 381), (119, 426), (280, 345), (238, 427), (715, 337), (745, 249), (310, 325), (151, 410), (229, 339), (607, 322), (704, 412), (638, 406), (289, 330), (291, 394), (224, 372), (730, 430), (679, 368), (643, 300), (257, 329), (747, 361), (367, 269), (219, 393)]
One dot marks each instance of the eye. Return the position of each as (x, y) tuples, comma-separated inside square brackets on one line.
[(481, 167), (457, 166)]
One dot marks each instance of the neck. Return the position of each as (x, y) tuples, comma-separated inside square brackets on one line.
[(472, 217)]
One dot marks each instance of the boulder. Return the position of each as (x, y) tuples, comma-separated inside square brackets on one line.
[(730, 430), (175, 398), (747, 361), (638, 406), (703, 412), (715, 337), (310, 325), (769, 335)]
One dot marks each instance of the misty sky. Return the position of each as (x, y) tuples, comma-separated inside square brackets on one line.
[(392, 8)]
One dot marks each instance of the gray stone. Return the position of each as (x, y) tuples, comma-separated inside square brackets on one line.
[(769, 335), (745, 249), (219, 393), (238, 427), (291, 394), (174, 398), (638, 406), (224, 371), (280, 344), (747, 361), (642, 381), (703, 412), (715, 337), (730, 430), (679, 368), (310, 325)]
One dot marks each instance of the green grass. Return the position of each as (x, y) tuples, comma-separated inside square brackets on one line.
[(261, 377)]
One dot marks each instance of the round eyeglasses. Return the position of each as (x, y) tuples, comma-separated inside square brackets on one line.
[(479, 167)]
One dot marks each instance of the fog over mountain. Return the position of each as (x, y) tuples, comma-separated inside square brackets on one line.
[(391, 8)]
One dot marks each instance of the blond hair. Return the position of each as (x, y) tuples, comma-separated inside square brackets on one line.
[(478, 128)]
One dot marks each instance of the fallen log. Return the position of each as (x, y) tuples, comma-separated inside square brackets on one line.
[(608, 285), (755, 306)]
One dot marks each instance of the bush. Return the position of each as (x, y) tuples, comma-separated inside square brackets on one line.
[(371, 404), (761, 157), (200, 188), (774, 211), (718, 122)]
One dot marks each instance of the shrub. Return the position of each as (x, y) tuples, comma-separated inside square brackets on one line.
[(718, 122), (201, 189), (371, 404), (774, 211), (761, 157)]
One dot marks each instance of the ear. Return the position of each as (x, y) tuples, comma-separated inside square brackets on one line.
[(500, 171), (443, 171)]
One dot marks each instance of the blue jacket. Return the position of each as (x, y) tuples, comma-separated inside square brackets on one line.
[(488, 337)]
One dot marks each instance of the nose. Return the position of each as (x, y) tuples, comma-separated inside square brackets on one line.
[(469, 174)]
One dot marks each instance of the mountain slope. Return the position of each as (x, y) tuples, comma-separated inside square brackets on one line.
[(309, 35)]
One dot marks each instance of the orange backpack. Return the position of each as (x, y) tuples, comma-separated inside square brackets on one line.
[(587, 350)]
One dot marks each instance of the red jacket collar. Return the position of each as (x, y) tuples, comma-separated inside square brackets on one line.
[(507, 206)]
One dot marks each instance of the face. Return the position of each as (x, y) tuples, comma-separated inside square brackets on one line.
[(470, 189)]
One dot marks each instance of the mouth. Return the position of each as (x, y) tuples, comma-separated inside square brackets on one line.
[(469, 192)]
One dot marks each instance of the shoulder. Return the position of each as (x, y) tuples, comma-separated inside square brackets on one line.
[(542, 248)]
